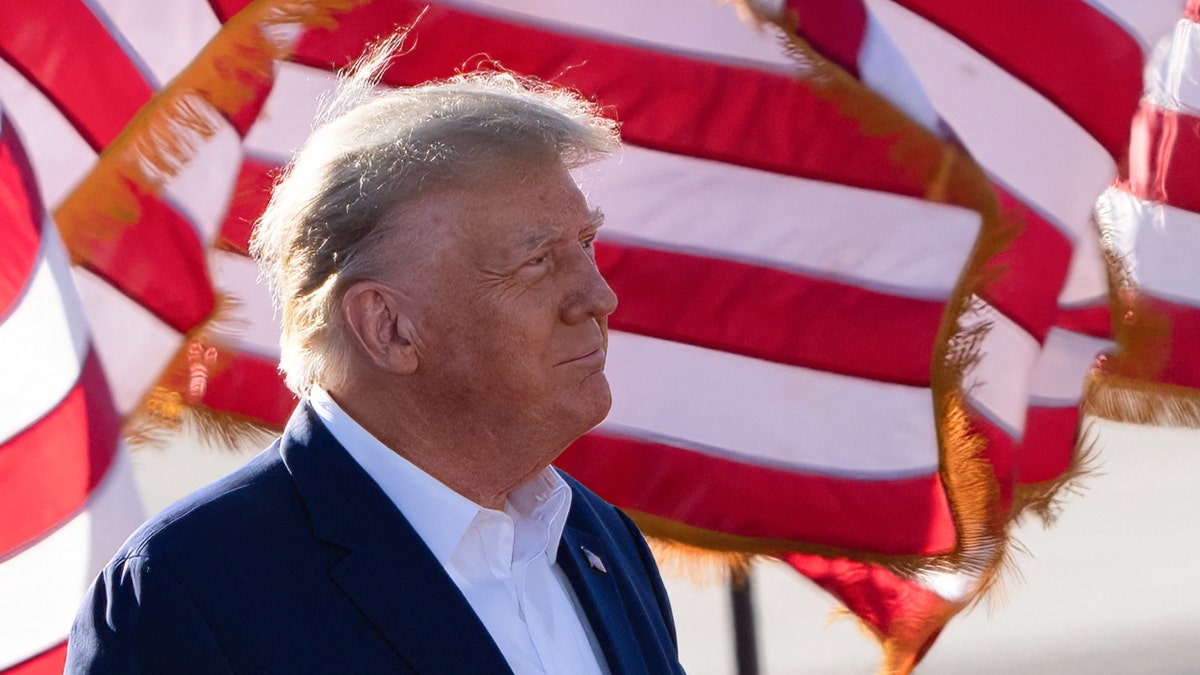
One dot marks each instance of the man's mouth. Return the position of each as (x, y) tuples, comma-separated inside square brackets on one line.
[(593, 358)]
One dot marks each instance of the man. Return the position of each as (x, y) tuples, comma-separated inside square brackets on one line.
[(445, 323)]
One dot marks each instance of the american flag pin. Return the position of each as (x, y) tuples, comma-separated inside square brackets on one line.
[(594, 560)]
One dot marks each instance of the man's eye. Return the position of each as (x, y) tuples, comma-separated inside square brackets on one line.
[(588, 244), (538, 260)]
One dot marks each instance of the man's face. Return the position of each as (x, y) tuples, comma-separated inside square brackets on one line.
[(512, 326)]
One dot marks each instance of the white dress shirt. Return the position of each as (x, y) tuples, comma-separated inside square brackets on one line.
[(504, 562)]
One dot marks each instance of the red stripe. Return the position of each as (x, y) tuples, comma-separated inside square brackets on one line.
[(1163, 157), (156, 260), (250, 107), (225, 9), (1070, 53), (835, 28), (875, 595), (250, 386), (251, 193), (906, 516), (1192, 13), (1177, 359), (48, 470), (1094, 320), (22, 216), (50, 662), (771, 314), (1048, 445), (750, 118), (1029, 274), (61, 48)]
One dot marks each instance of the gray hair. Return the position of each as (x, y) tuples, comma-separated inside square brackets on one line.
[(376, 151)]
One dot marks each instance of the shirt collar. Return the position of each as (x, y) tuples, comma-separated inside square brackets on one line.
[(440, 515), (544, 498)]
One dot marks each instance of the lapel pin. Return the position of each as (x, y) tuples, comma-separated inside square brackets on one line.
[(594, 560)]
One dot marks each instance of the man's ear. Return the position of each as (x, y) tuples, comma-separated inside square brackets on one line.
[(380, 326)]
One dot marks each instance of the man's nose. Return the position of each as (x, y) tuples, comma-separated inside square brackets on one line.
[(591, 296)]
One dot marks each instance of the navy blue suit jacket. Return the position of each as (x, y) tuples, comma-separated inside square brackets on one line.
[(298, 563)]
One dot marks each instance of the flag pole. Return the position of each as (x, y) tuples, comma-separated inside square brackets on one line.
[(745, 641)]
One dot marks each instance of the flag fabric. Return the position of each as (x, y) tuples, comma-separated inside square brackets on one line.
[(1042, 99), (832, 321), (131, 182), (1041, 96), (744, 292), (1152, 222), (67, 498)]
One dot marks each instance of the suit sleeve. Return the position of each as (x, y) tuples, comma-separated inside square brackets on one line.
[(137, 619)]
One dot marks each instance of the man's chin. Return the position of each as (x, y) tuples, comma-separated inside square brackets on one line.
[(593, 402)]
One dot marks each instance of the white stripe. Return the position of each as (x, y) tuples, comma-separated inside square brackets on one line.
[(998, 383), (1159, 244), (203, 188), (288, 113), (59, 156), (1087, 274), (1062, 366), (162, 37), (1028, 143), (1148, 21), (251, 324), (1171, 81), (709, 30), (43, 341), (705, 30), (133, 345), (767, 413), (41, 587), (1167, 244), (902, 245), (884, 68)]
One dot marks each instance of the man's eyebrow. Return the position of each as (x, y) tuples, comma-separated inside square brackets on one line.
[(535, 240), (595, 219)]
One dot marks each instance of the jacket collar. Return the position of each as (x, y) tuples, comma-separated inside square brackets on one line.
[(398, 584), (387, 571)]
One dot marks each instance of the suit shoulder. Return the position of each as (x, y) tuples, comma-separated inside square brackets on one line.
[(232, 509)]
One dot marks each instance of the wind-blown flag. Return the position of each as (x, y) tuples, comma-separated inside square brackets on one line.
[(67, 498), (1152, 223), (132, 182), (1041, 96), (794, 256), (756, 335)]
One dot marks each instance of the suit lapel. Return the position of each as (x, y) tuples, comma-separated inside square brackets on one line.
[(600, 598), (387, 572), (421, 613)]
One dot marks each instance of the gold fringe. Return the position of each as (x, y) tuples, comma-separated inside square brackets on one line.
[(155, 146), (164, 412), (165, 415), (700, 566), (164, 135), (686, 538), (1137, 401), (1045, 500)]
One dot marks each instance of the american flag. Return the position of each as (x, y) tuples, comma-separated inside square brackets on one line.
[(1152, 223), (838, 336)]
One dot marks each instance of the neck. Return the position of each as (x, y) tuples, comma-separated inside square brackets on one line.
[(470, 458)]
